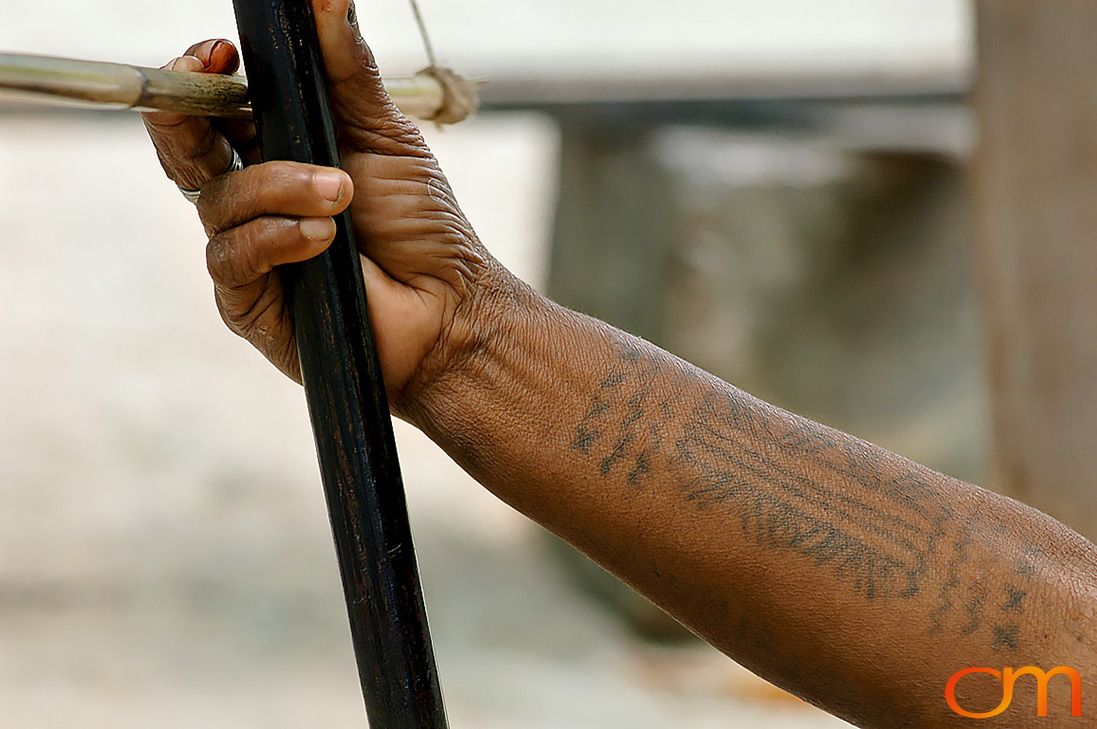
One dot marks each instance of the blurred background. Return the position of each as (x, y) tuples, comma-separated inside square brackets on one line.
[(777, 191)]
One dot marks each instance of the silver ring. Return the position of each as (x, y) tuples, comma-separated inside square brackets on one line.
[(236, 165)]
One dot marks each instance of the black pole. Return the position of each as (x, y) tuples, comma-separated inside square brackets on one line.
[(343, 386)]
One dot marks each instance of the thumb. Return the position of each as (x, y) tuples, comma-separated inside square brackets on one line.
[(345, 52), (368, 118)]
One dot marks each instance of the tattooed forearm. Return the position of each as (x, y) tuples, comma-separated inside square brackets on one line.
[(879, 523), (844, 573)]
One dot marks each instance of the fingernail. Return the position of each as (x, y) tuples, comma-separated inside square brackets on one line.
[(217, 46), (318, 228), (329, 185)]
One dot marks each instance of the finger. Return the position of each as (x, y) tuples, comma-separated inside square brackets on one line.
[(369, 118), (243, 138), (273, 188), (248, 252), (221, 56), (191, 150), (217, 55)]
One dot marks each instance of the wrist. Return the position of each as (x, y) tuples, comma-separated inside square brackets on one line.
[(494, 317)]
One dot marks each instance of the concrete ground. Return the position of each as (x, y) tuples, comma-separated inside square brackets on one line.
[(165, 558)]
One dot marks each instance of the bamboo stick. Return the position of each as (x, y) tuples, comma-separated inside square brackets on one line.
[(433, 94)]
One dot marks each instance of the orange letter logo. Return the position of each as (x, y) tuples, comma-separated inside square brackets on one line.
[(1008, 677)]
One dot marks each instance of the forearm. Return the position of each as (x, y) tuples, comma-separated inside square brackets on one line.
[(834, 568)]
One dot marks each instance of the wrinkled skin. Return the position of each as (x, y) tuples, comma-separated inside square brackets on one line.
[(421, 259)]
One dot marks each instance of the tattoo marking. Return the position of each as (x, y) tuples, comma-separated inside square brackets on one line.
[(1014, 597), (875, 520), (1005, 637)]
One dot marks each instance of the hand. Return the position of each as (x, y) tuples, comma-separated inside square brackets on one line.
[(422, 262)]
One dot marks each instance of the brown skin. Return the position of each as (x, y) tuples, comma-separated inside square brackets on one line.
[(421, 256), (845, 573)]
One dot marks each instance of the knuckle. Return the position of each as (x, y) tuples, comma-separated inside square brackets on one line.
[(221, 196), (262, 186), (212, 208), (218, 257), (284, 174), (230, 260), (240, 256), (166, 142), (206, 204), (207, 143)]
